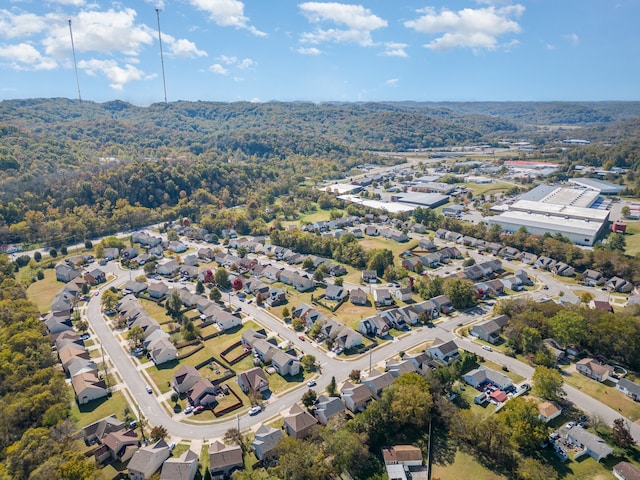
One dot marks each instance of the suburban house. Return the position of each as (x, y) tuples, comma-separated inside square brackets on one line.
[(355, 396), (483, 375), (66, 273), (490, 329), (183, 467), (618, 284), (403, 462), (285, 363), (400, 367), (404, 294), (157, 290), (629, 388), (591, 444), (358, 296), (265, 441), (119, 446), (253, 379), (147, 460), (369, 276), (96, 432), (592, 369), (335, 293), (185, 378), (277, 296), (203, 393), (327, 408), (382, 297), (298, 423), (88, 387), (95, 276), (592, 278), (377, 382), (443, 303), (168, 268), (111, 253), (373, 326), (548, 411), (626, 471), (224, 460), (445, 352), (162, 350)]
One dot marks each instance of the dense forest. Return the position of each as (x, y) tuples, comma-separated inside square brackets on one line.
[(74, 170)]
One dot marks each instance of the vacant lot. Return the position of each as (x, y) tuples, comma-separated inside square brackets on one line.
[(103, 407), (44, 291)]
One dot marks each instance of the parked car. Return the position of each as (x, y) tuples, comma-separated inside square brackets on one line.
[(487, 348), (311, 383), (256, 409), (172, 445), (198, 409), (188, 409), (85, 336)]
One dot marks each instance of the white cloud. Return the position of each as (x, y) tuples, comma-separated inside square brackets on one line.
[(182, 48), (357, 21), (551, 46), (227, 60), (573, 38), (20, 25), (75, 3), (117, 75), (392, 82), (467, 28), (218, 69), (24, 56), (227, 13), (246, 63), (308, 51), (103, 32), (394, 49)]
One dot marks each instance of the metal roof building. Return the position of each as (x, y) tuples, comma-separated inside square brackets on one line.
[(600, 186)]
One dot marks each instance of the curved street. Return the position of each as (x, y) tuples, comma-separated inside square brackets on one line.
[(330, 366)]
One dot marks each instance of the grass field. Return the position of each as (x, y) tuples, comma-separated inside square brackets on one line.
[(44, 291), (370, 243), (633, 238), (155, 311), (488, 189), (605, 393), (464, 466)]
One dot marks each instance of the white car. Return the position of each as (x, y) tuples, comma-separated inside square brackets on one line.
[(172, 445), (149, 389), (487, 348), (188, 410), (256, 409), (311, 383)]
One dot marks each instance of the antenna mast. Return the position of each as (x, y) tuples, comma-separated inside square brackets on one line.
[(164, 83), (75, 64)]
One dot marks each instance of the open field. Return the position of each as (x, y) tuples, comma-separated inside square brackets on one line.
[(464, 466), (488, 189), (632, 238), (43, 291), (155, 311), (370, 243)]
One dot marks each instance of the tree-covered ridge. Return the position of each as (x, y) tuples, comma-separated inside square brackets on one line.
[(544, 113), (36, 435)]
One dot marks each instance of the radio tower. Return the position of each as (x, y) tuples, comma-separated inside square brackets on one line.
[(75, 64), (164, 83)]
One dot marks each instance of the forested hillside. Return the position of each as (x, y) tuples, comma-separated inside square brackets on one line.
[(73, 170)]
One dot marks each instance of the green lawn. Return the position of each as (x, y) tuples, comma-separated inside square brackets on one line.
[(155, 311), (632, 238), (370, 243), (98, 409), (488, 189), (464, 466), (44, 291), (605, 393)]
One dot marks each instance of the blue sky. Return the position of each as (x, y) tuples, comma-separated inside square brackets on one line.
[(261, 50)]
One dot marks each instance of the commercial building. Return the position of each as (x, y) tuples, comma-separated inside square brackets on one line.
[(600, 186), (548, 209), (428, 200)]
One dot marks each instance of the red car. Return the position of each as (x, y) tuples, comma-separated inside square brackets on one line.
[(301, 337), (198, 409)]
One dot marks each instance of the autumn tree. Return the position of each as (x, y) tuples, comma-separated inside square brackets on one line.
[(109, 300), (548, 383), (308, 362), (221, 277), (621, 434), (158, 432), (528, 431), (135, 335)]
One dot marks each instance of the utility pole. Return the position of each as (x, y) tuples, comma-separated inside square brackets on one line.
[(75, 64), (370, 353), (164, 83)]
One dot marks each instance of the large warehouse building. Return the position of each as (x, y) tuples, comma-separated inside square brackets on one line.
[(572, 212)]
